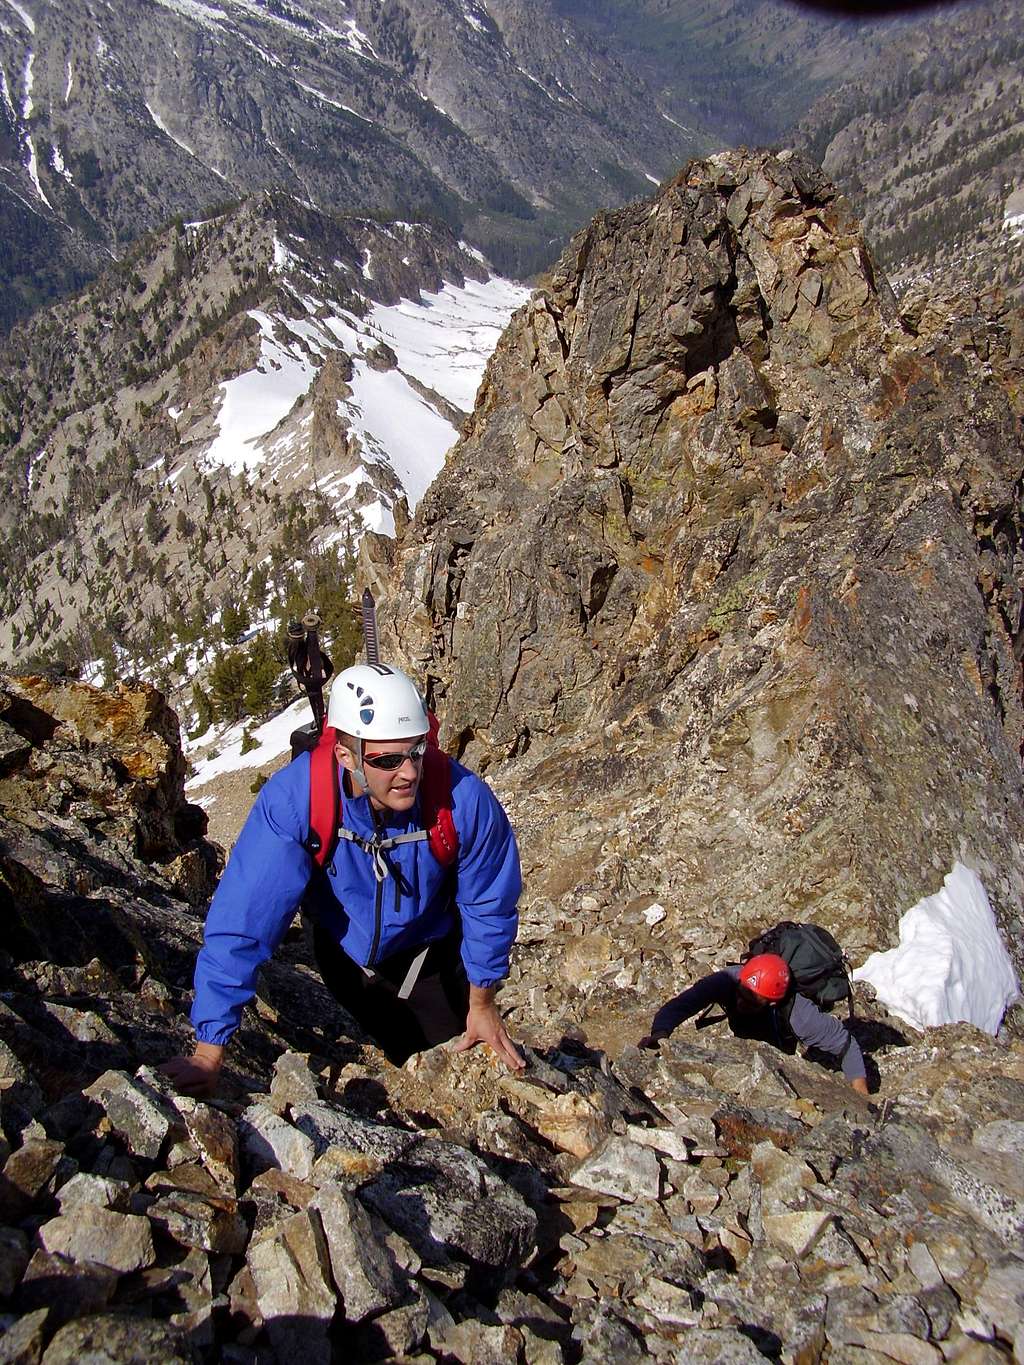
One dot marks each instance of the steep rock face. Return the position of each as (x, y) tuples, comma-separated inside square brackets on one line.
[(91, 799), (722, 585)]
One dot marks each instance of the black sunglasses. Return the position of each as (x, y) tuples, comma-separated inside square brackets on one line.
[(389, 762)]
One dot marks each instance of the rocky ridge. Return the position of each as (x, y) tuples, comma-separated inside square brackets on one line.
[(722, 587), (715, 1202)]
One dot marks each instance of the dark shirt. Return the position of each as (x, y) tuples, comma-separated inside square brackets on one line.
[(810, 1026)]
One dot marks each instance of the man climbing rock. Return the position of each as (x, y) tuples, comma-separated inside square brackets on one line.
[(760, 1001), (412, 935)]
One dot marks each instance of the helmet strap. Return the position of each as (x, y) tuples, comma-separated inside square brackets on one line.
[(357, 771)]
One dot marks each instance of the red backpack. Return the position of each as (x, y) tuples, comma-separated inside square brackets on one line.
[(325, 808)]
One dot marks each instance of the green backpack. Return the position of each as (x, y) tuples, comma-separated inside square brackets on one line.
[(816, 961)]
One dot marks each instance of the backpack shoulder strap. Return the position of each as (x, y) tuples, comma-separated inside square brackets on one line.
[(324, 800), (436, 806)]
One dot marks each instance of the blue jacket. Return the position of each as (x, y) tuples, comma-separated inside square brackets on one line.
[(269, 869)]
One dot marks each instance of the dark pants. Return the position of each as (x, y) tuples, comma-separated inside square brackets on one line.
[(434, 1011)]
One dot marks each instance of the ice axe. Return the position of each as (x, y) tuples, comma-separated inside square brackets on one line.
[(368, 610)]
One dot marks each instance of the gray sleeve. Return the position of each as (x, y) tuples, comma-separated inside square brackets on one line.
[(814, 1028)]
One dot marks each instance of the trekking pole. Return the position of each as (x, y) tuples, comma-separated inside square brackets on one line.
[(310, 668), (314, 669), (368, 608)]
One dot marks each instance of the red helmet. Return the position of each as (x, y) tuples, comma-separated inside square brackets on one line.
[(766, 975)]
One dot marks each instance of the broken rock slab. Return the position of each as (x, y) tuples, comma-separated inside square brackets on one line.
[(98, 1191), (122, 1241), (621, 1168), (14, 1256), (268, 1140), (328, 1126), (23, 1342), (209, 1222), (364, 1271), (71, 1289), (571, 1123), (110, 1339), (137, 1112), (25, 1173), (215, 1138), (291, 1273), (293, 1081), (795, 1233), (454, 1210)]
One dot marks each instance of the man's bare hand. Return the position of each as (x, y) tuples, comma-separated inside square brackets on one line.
[(860, 1085), (483, 1025), (196, 1075)]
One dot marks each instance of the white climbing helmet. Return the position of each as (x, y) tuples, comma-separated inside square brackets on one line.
[(375, 701)]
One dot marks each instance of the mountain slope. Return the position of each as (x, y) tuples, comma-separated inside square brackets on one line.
[(510, 122), (115, 118), (240, 394), (930, 146), (749, 69)]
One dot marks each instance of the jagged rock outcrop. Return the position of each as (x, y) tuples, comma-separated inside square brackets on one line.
[(717, 1201), (722, 587)]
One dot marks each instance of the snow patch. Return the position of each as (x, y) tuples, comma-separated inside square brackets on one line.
[(442, 341), (26, 114), (59, 165), (476, 255), (207, 15), (358, 41), (23, 15), (26, 104), (377, 517), (398, 428), (473, 19), (445, 339), (255, 402), (272, 740), (675, 122), (71, 81), (1014, 224), (523, 71), (283, 258), (951, 964), (652, 178), (167, 132), (319, 95)]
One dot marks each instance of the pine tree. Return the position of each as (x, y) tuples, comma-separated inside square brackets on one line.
[(234, 621), (203, 708), (263, 673), (228, 678)]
